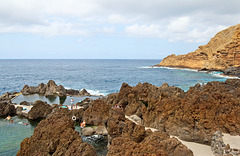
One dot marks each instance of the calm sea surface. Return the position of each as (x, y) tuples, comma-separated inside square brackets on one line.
[(97, 76)]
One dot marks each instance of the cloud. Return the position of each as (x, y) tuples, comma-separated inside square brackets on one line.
[(191, 21)]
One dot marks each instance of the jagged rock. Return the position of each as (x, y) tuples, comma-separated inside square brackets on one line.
[(85, 103), (55, 136), (40, 109), (29, 90), (127, 138), (221, 52), (193, 116), (84, 92), (7, 97), (97, 113), (235, 71), (52, 89), (6, 109)]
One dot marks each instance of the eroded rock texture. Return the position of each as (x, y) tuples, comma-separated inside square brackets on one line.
[(221, 52), (55, 136)]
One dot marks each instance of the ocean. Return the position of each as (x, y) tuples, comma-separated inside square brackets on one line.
[(99, 77)]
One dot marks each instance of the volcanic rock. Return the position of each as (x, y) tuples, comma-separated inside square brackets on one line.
[(221, 52), (40, 109), (55, 136), (52, 89), (127, 138), (193, 116), (6, 109), (95, 130), (97, 113), (235, 71), (7, 97), (25, 103)]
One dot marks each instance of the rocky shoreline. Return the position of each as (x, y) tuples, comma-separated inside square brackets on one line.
[(221, 53), (193, 116)]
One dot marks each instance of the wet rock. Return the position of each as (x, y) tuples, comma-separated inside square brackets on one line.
[(55, 136), (6, 109), (40, 109)]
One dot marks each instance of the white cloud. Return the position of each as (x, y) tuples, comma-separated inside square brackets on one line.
[(192, 21), (143, 30)]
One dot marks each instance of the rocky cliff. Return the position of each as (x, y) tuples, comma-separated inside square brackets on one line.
[(221, 52)]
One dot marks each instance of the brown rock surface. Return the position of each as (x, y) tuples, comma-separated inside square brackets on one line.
[(97, 113), (55, 136), (193, 116), (51, 89), (40, 109), (6, 109), (221, 52), (127, 138)]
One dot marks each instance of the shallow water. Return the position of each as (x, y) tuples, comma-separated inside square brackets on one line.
[(12, 134), (51, 100)]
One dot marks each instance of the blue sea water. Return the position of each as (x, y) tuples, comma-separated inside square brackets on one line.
[(97, 76)]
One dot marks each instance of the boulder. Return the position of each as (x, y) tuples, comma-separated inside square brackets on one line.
[(40, 109), (25, 103), (101, 130), (95, 130), (55, 136), (87, 131), (6, 109)]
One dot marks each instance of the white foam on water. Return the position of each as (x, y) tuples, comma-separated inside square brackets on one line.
[(172, 68), (96, 92), (219, 74), (147, 67)]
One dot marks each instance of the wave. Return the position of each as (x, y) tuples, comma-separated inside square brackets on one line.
[(220, 74), (171, 68), (96, 92)]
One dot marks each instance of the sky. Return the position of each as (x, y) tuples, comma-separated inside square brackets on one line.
[(110, 29)]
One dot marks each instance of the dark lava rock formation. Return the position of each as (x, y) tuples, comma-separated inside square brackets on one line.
[(127, 138), (193, 116), (51, 89), (55, 136), (6, 109), (40, 109)]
